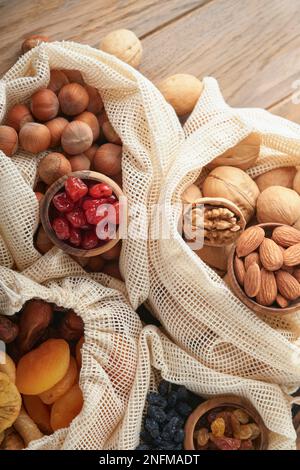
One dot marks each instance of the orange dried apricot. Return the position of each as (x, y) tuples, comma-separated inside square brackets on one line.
[(43, 367), (78, 351), (59, 389), (66, 408), (38, 412)]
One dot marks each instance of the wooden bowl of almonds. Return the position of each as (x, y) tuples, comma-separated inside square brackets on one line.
[(264, 269), (226, 422)]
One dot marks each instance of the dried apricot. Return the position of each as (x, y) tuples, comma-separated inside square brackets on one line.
[(66, 408), (59, 389), (218, 427), (78, 351), (202, 437), (10, 402), (241, 415), (38, 412), (43, 367)]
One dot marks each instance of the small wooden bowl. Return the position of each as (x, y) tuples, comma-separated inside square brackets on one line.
[(238, 291), (54, 188), (225, 401)]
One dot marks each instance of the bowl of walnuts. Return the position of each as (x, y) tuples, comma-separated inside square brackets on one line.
[(264, 268)]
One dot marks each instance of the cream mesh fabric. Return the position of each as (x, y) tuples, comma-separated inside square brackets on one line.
[(215, 343)]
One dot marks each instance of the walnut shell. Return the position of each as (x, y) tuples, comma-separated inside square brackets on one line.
[(278, 177), (243, 155), (123, 44), (234, 184), (279, 205)]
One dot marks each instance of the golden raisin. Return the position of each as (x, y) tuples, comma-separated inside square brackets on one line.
[(218, 427), (255, 431), (241, 415), (202, 437)]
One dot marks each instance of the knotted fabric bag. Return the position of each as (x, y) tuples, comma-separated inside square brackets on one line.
[(160, 159)]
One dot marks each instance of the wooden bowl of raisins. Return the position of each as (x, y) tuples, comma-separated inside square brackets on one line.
[(226, 422), (83, 213)]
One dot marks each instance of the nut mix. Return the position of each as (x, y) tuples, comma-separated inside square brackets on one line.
[(272, 274), (226, 429), (39, 377)]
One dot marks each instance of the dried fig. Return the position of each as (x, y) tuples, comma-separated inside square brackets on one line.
[(10, 402), (34, 321)]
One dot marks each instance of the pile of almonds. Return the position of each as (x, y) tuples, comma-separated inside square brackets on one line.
[(226, 429), (268, 267)]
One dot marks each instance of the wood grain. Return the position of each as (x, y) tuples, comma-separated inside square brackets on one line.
[(85, 21), (288, 108), (251, 47)]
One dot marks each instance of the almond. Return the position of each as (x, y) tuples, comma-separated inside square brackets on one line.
[(287, 285), (249, 240), (282, 301), (271, 255), (291, 256), (286, 236), (296, 274), (251, 259), (239, 270), (252, 280), (268, 289)]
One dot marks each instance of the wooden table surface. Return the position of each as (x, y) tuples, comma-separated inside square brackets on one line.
[(251, 46)]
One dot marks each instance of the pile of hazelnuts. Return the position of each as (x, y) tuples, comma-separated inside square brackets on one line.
[(68, 120)]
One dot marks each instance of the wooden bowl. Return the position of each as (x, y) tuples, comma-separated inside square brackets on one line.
[(250, 303), (54, 188), (225, 401), (296, 422)]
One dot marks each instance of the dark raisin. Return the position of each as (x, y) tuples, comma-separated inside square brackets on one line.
[(179, 436), (182, 393), (156, 399), (171, 428), (171, 414), (146, 437), (156, 413), (152, 426), (172, 399), (164, 387), (183, 409), (143, 447)]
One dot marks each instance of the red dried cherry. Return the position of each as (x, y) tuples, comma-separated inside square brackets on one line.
[(114, 213), (89, 240), (75, 236), (106, 231), (75, 188), (76, 217), (62, 203), (100, 190), (96, 213), (61, 227), (88, 203)]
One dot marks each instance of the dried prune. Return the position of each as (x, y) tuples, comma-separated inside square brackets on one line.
[(155, 399), (179, 436), (152, 427), (172, 399), (157, 413)]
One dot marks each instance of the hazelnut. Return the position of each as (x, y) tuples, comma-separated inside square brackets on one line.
[(90, 152), (112, 269), (80, 162), (57, 80), (8, 140), (43, 243), (44, 105), (118, 179), (56, 127), (107, 159), (181, 91), (110, 134), (102, 118), (18, 115), (95, 264), (73, 99), (91, 120), (77, 137), (123, 44), (95, 101), (34, 137), (113, 253), (53, 166), (33, 41), (74, 76)]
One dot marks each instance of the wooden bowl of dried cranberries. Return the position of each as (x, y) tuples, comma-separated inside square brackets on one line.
[(82, 213), (226, 422)]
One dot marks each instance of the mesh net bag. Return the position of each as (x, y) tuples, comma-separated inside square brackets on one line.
[(221, 346)]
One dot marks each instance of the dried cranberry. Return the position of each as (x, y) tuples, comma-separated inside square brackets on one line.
[(96, 213), (100, 190), (61, 228), (89, 240), (89, 202), (75, 188), (114, 213), (75, 236), (76, 217), (62, 203)]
